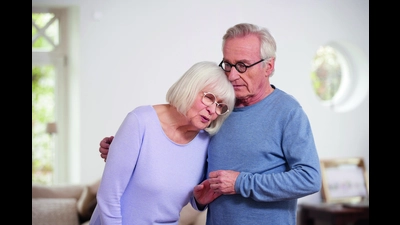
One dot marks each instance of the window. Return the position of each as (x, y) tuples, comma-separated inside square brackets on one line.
[(45, 31), (48, 96), (327, 73), (339, 75)]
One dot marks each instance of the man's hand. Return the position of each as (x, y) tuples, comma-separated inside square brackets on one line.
[(223, 181), (203, 194), (104, 147)]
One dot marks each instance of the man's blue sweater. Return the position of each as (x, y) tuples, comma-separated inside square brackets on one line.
[(272, 146)]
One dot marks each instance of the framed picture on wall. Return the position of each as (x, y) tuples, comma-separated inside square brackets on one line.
[(344, 180)]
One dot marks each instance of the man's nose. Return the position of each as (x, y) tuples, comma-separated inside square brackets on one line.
[(233, 74)]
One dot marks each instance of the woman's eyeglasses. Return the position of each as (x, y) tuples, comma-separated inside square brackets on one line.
[(209, 99)]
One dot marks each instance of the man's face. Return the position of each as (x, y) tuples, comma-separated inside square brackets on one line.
[(250, 86)]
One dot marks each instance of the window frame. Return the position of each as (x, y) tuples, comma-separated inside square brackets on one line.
[(58, 58)]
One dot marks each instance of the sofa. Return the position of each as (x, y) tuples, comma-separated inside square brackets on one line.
[(74, 205)]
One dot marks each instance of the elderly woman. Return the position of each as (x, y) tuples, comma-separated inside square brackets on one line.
[(159, 152)]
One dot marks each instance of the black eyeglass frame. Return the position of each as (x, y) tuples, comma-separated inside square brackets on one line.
[(216, 103), (244, 65)]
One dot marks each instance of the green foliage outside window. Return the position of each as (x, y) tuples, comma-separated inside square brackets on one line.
[(42, 113)]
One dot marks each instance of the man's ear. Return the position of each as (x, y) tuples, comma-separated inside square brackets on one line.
[(269, 66)]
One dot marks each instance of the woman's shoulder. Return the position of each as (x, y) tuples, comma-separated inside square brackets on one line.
[(143, 111), (143, 108)]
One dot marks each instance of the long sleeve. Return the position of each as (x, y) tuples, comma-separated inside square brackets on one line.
[(121, 161)]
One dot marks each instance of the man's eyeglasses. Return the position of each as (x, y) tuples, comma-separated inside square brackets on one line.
[(240, 66), (209, 99)]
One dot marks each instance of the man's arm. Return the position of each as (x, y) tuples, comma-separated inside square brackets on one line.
[(104, 146)]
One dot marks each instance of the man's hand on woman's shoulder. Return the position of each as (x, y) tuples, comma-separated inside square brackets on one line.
[(104, 146)]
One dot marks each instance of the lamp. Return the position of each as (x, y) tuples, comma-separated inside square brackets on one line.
[(51, 128)]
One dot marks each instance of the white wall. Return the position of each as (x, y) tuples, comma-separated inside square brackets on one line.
[(130, 52)]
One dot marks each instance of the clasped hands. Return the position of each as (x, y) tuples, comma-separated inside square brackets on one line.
[(220, 182)]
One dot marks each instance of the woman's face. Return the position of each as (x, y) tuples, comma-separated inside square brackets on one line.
[(203, 110)]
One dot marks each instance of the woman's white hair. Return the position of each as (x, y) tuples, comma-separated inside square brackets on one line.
[(183, 93)]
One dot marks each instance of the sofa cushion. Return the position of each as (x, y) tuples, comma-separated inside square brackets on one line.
[(50, 211)]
